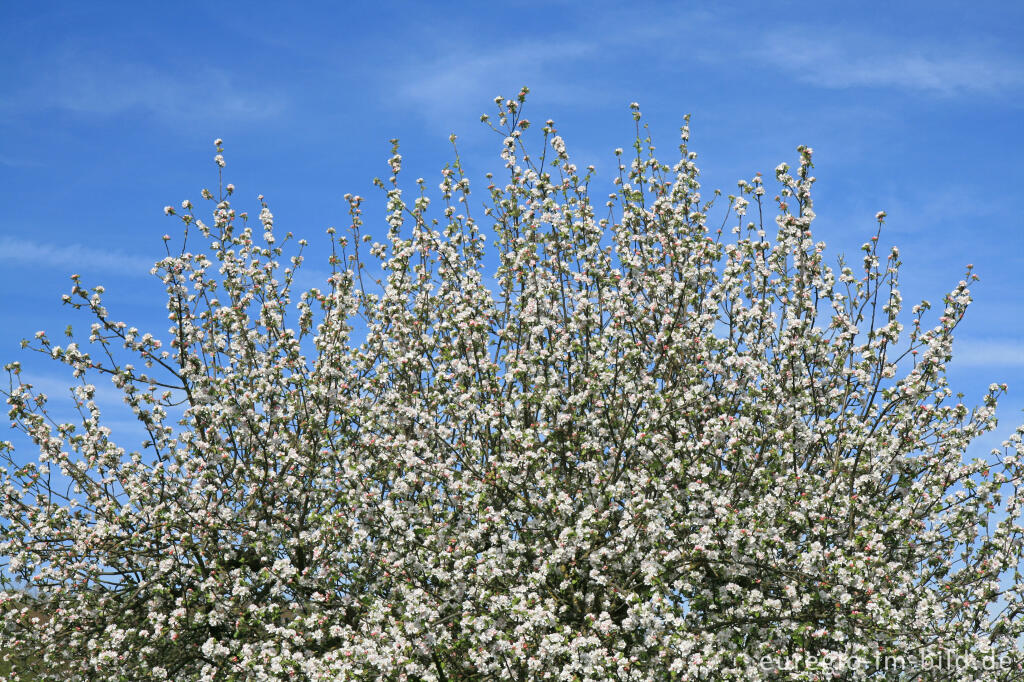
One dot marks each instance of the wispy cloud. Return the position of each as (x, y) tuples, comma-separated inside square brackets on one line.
[(852, 60), (309, 278), (461, 80), (14, 162), (58, 387), (987, 353), (84, 83), (126, 430), (25, 253)]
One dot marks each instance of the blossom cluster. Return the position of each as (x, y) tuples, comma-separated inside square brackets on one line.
[(613, 442)]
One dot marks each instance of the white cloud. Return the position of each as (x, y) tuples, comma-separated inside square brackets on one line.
[(863, 60), (58, 387), (987, 353), (126, 430), (83, 83), (464, 80), (307, 278), (14, 162), (73, 257)]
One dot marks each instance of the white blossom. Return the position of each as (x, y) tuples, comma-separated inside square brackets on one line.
[(602, 445)]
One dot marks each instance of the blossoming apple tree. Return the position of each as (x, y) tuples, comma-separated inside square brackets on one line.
[(614, 443)]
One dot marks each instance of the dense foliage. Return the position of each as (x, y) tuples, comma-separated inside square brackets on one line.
[(614, 444)]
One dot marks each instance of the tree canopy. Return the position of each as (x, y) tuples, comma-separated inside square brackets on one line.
[(611, 442)]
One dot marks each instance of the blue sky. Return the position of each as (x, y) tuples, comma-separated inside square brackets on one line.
[(108, 112)]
